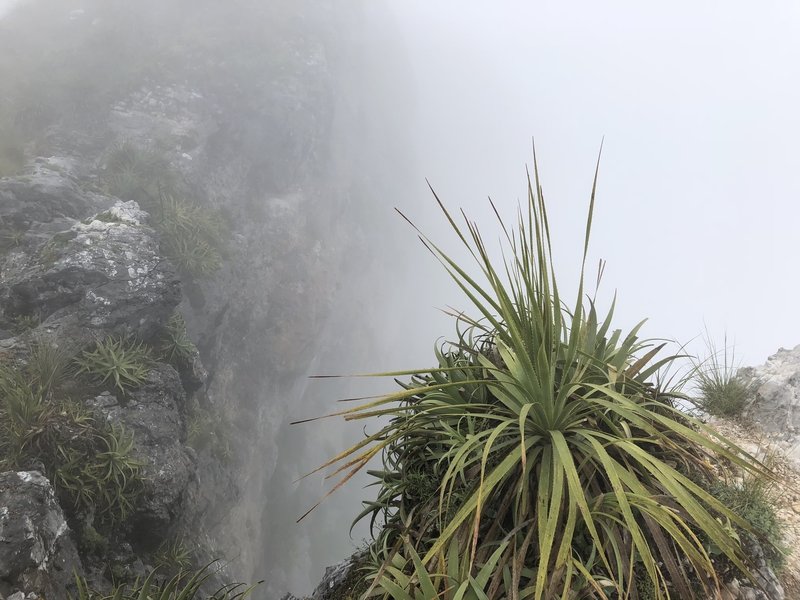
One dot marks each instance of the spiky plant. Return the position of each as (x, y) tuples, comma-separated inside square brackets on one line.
[(723, 390), (176, 345), (122, 361), (90, 463), (560, 470), (191, 235), (26, 418), (100, 474), (173, 555), (48, 364), (138, 173), (183, 586)]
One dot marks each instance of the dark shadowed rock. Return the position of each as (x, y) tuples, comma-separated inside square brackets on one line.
[(37, 553)]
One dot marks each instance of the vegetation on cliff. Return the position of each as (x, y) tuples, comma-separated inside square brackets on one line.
[(44, 426), (542, 457), (183, 586), (192, 236)]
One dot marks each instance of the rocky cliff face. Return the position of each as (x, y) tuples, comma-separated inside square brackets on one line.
[(68, 281), (776, 403), (232, 127)]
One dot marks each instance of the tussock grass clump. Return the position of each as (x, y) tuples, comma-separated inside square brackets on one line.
[(723, 390), (173, 555), (725, 396), (90, 464), (22, 323), (561, 469), (756, 506), (48, 364), (192, 236), (120, 360), (109, 483), (176, 346), (136, 173)]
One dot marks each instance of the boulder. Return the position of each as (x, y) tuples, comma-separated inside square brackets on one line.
[(102, 273), (37, 553)]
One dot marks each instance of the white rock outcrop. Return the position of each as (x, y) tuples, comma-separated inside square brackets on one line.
[(776, 404)]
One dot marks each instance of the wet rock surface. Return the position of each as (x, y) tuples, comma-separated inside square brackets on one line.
[(37, 553)]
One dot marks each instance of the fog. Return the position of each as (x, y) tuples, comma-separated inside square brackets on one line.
[(697, 196), (696, 107)]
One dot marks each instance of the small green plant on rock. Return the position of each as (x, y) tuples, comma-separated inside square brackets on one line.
[(54, 248), (173, 555), (49, 364), (90, 464), (176, 346), (753, 497), (137, 173), (194, 256), (92, 541), (120, 360), (192, 236), (723, 390), (100, 473), (27, 419), (23, 323)]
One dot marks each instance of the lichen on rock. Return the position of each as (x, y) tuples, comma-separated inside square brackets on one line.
[(37, 553)]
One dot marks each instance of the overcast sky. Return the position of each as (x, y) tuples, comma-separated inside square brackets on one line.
[(697, 210)]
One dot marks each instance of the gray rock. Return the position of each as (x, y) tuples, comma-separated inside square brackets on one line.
[(37, 553), (334, 577), (48, 191), (103, 273), (152, 413), (776, 406), (766, 578)]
